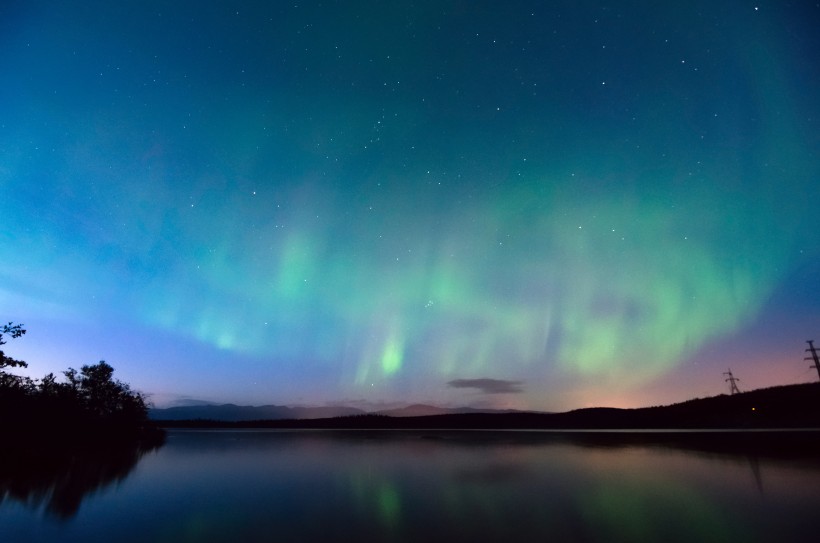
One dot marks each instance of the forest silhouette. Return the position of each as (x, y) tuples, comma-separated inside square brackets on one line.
[(62, 440), (88, 404)]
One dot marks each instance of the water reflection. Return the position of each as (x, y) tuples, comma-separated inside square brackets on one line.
[(472, 486), (58, 478)]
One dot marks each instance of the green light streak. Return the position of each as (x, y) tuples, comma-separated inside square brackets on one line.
[(389, 504), (644, 512), (392, 356)]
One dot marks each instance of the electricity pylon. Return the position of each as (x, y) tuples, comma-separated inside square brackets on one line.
[(732, 380), (813, 350)]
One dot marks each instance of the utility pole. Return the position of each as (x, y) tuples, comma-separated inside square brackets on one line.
[(732, 380), (813, 350)]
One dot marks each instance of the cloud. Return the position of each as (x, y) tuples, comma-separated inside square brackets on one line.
[(488, 386)]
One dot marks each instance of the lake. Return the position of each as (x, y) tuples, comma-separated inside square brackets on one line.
[(225, 485)]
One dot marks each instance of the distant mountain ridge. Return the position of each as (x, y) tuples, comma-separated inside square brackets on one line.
[(238, 413), (241, 413)]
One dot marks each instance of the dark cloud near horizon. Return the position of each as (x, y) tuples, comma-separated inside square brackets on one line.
[(488, 386)]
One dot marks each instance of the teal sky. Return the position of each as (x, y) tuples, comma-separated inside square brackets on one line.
[(360, 202)]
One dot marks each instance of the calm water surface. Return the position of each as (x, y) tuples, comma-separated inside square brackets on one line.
[(413, 486)]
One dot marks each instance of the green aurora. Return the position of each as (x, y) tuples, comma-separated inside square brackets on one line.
[(568, 199)]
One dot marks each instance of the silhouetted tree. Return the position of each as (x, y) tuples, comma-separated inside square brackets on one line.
[(49, 387), (13, 384), (17, 383), (103, 396), (15, 331)]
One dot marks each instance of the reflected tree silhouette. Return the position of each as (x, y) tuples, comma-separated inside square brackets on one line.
[(58, 479)]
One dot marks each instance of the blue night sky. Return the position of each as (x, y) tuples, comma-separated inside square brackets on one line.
[(362, 202)]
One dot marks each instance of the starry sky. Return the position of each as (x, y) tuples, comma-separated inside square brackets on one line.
[(536, 205)]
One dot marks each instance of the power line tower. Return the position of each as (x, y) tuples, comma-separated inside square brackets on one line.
[(813, 350), (732, 380)]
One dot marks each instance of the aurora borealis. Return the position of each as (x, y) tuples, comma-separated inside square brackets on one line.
[(361, 202)]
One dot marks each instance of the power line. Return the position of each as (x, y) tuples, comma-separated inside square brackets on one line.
[(732, 380), (813, 350)]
